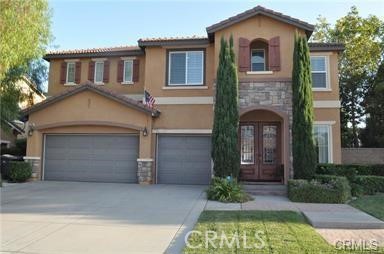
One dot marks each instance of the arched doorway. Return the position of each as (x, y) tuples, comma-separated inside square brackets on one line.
[(262, 142)]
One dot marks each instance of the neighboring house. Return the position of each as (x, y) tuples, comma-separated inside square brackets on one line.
[(31, 96), (94, 127)]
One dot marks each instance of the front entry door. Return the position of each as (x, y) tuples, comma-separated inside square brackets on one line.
[(260, 149)]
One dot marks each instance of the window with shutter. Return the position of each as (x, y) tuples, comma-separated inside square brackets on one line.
[(319, 72), (71, 69), (99, 72), (128, 71), (259, 55), (258, 60), (185, 68)]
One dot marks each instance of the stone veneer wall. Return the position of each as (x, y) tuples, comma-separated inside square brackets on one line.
[(36, 167), (274, 94), (144, 171)]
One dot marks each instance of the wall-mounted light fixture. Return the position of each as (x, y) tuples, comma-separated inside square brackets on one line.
[(145, 132), (31, 128)]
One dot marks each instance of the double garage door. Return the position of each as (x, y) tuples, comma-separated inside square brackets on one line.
[(91, 158), (181, 159)]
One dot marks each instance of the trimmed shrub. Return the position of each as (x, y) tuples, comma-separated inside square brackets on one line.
[(224, 190), (368, 185), (20, 171), (364, 179), (350, 170), (17, 150), (322, 189)]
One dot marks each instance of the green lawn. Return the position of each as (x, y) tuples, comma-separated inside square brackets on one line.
[(373, 205), (281, 232)]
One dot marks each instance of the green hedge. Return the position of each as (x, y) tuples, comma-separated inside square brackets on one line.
[(363, 179), (368, 185), (17, 150), (350, 170), (322, 189), (20, 171)]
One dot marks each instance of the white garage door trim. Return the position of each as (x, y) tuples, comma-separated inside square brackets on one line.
[(76, 134)]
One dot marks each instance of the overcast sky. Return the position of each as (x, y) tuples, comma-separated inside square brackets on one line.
[(88, 24)]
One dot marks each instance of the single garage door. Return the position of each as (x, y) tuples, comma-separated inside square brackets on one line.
[(184, 159), (91, 158)]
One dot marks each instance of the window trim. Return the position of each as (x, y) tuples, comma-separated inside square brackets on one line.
[(128, 82), (74, 72), (102, 73), (330, 137), (265, 62), (327, 87), (168, 67)]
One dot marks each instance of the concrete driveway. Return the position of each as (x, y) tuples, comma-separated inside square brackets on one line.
[(69, 217)]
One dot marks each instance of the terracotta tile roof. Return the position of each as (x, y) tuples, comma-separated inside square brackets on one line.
[(109, 51), (264, 11), (193, 37), (329, 46), (173, 41), (88, 85)]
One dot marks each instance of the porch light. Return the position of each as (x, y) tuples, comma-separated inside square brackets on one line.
[(145, 132), (31, 128)]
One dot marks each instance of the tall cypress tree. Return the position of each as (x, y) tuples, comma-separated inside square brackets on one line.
[(225, 153), (304, 152)]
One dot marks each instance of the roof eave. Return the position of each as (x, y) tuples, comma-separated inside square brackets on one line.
[(189, 42), (326, 47), (136, 52), (87, 86)]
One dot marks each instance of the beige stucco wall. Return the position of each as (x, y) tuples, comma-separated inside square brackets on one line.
[(333, 72), (88, 112), (156, 67), (54, 86), (331, 115), (184, 117)]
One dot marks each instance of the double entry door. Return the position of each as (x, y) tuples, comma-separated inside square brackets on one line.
[(260, 150)]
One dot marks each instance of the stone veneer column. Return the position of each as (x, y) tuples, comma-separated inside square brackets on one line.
[(36, 167), (144, 171), (274, 94)]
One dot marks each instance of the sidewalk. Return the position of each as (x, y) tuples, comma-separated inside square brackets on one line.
[(335, 222)]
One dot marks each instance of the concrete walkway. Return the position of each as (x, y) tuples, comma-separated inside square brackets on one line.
[(334, 222), (74, 218)]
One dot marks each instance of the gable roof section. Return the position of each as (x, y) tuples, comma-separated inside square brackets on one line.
[(259, 10), (95, 52), (89, 86)]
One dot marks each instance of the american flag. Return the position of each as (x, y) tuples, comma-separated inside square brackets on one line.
[(149, 100)]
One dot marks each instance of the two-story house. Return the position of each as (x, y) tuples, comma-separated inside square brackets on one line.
[(94, 126)]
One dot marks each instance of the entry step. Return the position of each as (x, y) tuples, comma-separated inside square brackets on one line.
[(266, 189)]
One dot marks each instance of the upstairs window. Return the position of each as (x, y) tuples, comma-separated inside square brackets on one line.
[(128, 66), (185, 68), (71, 67), (319, 72), (99, 72), (259, 55), (258, 60)]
